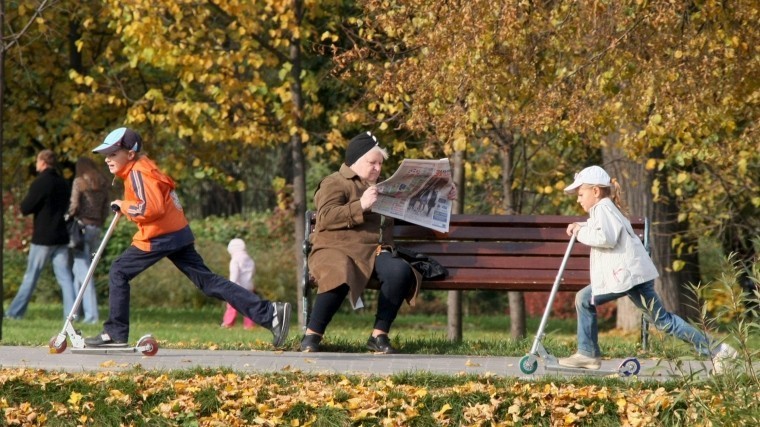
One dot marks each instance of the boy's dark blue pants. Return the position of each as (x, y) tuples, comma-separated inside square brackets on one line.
[(134, 261)]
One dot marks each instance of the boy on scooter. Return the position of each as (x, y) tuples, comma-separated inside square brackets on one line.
[(163, 232)]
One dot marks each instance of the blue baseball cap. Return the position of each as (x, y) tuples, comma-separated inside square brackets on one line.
[(120, 138)]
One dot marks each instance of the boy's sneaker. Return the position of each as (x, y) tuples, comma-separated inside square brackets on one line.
[(722, 358), (380, 344), (310, 343), (580, 361), (280, 324), (103, 340)]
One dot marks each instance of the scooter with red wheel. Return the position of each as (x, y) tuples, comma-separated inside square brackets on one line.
[(146, 345), (529, 362)]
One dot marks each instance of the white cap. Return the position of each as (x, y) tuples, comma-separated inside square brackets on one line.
[(592, 175)]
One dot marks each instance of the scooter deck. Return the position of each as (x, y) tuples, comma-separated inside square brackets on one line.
[(559, 369), (106, 350), (147, 345)]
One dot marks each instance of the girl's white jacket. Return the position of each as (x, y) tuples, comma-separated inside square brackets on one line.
[(619, 260)]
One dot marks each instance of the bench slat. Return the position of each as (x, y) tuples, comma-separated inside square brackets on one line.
[(521, 287), (510, 262), (433, 248), (482, 233), (535, 280), (531, 221)]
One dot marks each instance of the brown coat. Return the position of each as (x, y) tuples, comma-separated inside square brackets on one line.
[(87, 203), (345, 239)]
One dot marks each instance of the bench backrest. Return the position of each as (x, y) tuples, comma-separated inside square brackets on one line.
[(502, 252)]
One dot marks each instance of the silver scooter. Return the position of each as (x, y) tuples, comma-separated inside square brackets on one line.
[(529, 362), (147, 345)]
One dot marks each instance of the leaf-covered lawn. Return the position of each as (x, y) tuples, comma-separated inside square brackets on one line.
[(225, 398)]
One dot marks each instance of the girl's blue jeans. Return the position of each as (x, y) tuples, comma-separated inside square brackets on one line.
[(647, 300)]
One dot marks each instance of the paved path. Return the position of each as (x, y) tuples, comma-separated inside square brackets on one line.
[(273, 361)]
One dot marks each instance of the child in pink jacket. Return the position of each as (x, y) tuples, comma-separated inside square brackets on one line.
[(242, 270)]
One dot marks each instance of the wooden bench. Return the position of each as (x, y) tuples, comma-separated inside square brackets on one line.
[(494, 252)]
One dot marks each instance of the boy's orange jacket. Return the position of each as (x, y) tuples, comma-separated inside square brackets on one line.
[(151, 203)]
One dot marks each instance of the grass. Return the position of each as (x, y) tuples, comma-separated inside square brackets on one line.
[(198, 328)]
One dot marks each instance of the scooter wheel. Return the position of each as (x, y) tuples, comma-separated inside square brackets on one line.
[(150, 346), (57, 349), (528, 365), (629, 367)]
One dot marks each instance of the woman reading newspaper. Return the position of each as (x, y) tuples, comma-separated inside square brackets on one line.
[(352, 245)]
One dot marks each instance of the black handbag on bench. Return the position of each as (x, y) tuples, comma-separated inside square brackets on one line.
[(427, 266)]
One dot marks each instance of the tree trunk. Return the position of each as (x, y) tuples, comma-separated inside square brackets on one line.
[(454, 300), (297, 157), (672, 285), (2, 172), (517, 327)]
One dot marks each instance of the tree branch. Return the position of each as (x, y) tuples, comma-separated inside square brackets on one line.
[(14, 38)]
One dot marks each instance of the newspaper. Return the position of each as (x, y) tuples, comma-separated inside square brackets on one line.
[(417, 193)]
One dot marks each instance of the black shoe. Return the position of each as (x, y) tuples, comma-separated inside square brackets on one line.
[(310, 343), (380, 344), (280, 324), (104, 340)]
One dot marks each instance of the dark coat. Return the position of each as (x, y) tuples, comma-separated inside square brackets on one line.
[(48, 201), (345, 238)]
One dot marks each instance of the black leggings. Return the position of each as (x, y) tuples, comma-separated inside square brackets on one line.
[(396, 280)]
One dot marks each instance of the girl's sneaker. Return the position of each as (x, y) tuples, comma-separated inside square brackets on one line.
[(722, 358), (580, 361)]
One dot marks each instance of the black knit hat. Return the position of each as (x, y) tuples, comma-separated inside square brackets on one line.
[(359, 146)]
